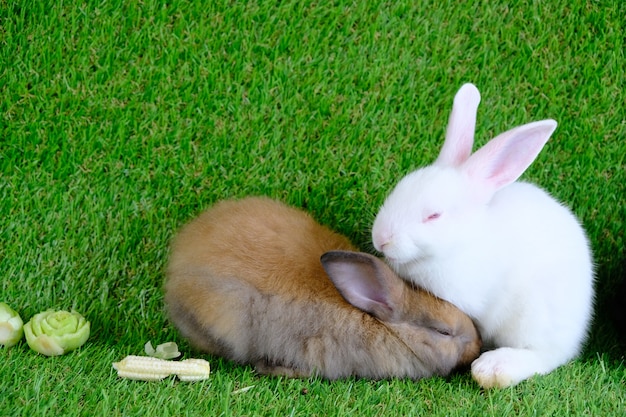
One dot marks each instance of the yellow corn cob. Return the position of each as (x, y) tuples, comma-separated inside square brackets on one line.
[(146, 368)]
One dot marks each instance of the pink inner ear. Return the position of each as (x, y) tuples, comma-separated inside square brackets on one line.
[(505, 158), (359, 284)]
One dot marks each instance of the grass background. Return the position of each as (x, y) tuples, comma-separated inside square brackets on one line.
[(121, 120)]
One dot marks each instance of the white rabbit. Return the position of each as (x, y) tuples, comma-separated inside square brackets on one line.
[(505, 252)]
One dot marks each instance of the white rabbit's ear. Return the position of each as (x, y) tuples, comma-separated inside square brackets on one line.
[(504, 158), (460, 132), (364, 281)]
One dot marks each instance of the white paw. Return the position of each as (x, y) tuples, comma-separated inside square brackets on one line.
[(505, 367)]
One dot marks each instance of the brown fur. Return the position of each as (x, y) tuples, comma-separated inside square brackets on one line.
[(245, 282)]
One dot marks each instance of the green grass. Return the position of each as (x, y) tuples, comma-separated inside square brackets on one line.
[(119, 121)]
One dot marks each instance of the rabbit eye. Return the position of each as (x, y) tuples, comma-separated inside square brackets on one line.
[(433, 216), (444, 332)]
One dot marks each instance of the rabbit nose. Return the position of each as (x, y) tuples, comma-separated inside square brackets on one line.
[(381, 242)]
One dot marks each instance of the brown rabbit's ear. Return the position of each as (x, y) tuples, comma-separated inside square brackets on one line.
[(364, 281)]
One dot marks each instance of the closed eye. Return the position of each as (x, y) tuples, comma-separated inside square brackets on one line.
[(431, 217), (444, 332)]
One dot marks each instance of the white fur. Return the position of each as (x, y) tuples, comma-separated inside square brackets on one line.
[(505, 252)]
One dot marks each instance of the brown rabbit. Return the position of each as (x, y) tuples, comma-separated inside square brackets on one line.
[(245, 282)]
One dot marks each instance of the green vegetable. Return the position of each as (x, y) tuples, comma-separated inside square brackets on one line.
[(54, 333), (167, 350), (11, 326)]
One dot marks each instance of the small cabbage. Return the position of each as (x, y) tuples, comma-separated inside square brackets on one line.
[(11, 326), (54, 333)]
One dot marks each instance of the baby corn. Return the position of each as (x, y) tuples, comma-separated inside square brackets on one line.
[(146, 368)]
